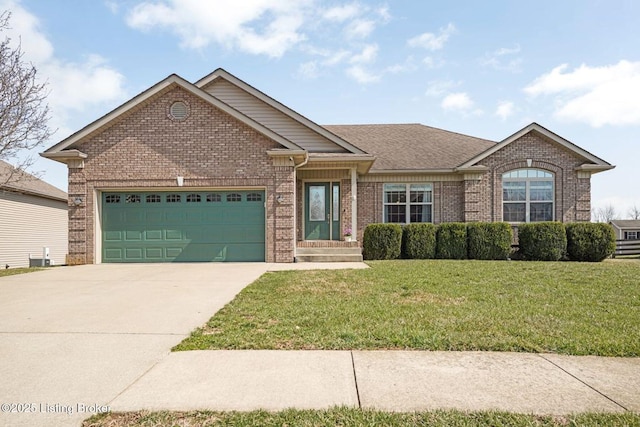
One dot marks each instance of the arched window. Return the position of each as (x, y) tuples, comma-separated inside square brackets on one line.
[(527, 195)]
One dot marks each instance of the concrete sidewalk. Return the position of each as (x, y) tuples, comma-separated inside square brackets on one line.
[(387, 380)]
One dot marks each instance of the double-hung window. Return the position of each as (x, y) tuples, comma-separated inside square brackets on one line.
[(408, 203), (632, 235), (527, 195)]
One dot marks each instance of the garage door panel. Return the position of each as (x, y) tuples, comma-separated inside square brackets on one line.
[(194, 226), (153, 235), (133, 254), (154, 254)]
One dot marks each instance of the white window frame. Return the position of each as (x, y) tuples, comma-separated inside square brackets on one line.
[(632, 235), (407, 202), (528, 201)]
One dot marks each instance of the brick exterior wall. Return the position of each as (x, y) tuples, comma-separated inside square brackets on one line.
[(479, 198), (147, 149)]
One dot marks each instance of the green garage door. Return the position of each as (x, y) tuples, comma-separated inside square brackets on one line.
[(183, 226)]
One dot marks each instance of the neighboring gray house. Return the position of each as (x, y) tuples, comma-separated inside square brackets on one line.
[(33, 215), (626, 229)]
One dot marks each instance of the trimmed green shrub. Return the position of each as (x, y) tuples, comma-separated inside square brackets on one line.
[(419, 241), (382, 241), (489, 240), (542, 241), (451, 241), (591, 242)]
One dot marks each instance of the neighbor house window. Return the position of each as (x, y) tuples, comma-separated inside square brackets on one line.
[(527, 195), (408, 203), (632, 235)]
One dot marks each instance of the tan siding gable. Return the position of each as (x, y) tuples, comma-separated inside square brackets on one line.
[(27, 223), (270, 117)]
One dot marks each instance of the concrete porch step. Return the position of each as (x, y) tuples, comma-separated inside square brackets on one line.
[(329, 254)]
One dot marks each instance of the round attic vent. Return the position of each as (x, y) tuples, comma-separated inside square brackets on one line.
[(179, 110)]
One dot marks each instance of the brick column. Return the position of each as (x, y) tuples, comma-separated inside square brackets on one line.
[(78, 249), (284, 214)]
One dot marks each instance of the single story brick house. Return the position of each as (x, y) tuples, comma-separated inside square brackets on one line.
[(218, 170)]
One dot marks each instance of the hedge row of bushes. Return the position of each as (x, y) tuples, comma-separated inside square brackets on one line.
[(543, 241), (579, 241)]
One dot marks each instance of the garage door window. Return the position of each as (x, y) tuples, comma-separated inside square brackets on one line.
[(112, 198), (214, 198), (254, 197), (193, 198), (133, 198), (234, 197), (173, 198), (153, 198)]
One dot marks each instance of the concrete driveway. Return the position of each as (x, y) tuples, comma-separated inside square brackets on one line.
[(73, 338)]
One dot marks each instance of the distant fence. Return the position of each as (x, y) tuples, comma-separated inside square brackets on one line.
[(627, 247)]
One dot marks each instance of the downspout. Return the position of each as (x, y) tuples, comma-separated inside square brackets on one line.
[(295, 203)]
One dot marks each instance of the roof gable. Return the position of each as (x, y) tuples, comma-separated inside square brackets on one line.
[(594, 163), (173, 80), (290, 122)]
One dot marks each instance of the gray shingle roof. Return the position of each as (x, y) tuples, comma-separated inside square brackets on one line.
[(626, 223), (23, 182), (412, 146)]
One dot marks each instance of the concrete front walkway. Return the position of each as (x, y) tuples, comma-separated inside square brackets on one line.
[(387, 380)]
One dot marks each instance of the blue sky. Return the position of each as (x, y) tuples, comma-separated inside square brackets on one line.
[(485, 69)]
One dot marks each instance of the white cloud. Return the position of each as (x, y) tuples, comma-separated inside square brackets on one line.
[(431, 41), (409, 65), (368, 55), (436, 88), (432, 63), (72, 86), (342, 13), (112, 6), (359, 74), (308, 70), (598, 96), (360, 29), (504, 59), (265, 27), (458, 101), (505, 109)]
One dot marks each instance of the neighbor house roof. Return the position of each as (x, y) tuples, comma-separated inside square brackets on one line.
[(626, 223), (15, 180), (407, 147)]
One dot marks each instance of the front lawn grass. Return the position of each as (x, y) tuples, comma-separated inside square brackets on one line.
[(557, 307), (13, 271), (355, 417)]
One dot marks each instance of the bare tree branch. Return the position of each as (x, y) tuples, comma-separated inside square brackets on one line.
[(606, 213), (24, 112), (634, 212)]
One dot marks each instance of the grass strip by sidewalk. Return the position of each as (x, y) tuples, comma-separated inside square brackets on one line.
[(355, 417), (565, 308), (13, 271)]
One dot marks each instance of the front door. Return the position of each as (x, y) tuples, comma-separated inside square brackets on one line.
[(322, 211)]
